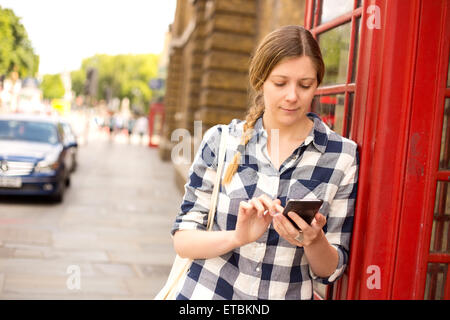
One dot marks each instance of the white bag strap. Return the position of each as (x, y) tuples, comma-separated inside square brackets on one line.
[(215, 193)]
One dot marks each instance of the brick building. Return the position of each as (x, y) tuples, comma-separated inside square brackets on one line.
[(212, 41)]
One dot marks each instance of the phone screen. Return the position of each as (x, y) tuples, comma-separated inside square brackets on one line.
[(306, 209)]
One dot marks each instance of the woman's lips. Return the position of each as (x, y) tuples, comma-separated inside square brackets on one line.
[(289, 110)]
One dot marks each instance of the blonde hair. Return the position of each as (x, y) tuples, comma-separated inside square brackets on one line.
[(282, 43)]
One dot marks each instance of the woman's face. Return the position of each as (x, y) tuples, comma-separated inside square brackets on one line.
[(288, 91)]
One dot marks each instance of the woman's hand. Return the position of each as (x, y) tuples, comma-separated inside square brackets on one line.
[(311, 233), (254, 217)]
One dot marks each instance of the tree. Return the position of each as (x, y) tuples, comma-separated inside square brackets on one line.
[(78, 78), (52, 86), (120, 76), (16, 52)]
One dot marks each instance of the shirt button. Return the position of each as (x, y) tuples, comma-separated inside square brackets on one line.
[(258, 269)]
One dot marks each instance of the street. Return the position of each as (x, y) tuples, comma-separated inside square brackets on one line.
[(109, 239)]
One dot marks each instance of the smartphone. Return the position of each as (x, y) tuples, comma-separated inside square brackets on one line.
[(306, 209)]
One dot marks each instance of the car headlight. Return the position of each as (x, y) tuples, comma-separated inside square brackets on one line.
[(49, 164), (46, 166)]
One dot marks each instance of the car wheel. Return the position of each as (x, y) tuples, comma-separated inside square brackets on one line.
[(58, 197)]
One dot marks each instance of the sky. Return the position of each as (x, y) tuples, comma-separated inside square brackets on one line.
[(64, 32)]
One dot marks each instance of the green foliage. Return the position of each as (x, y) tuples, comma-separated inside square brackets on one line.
[(124, 75), (52, 86), (78, 79), (335, 49), (16, 52)]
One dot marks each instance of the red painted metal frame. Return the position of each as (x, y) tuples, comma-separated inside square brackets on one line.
[(423, 154), (384, 114), (384, 93)]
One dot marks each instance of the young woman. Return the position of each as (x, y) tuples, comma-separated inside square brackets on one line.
[(280, 152)]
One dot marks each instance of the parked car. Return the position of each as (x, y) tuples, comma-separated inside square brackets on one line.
[(34, 156)]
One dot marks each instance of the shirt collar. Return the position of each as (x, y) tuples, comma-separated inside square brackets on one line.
[(318, 136)]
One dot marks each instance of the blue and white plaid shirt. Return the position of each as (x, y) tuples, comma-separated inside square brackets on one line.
[(324, 167)]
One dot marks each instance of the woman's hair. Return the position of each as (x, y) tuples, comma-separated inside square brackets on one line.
[(285, 42)]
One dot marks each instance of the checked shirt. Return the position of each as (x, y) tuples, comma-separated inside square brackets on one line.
[(324, 166)]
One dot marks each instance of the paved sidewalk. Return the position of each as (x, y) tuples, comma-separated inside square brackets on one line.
[(113, 228)]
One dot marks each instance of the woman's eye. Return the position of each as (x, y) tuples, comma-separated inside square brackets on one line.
[(279, 84), (305, 87)]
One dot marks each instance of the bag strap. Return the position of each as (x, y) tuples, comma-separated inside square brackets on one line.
[(215, 193)]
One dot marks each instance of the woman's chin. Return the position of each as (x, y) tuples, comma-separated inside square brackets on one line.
[(288, 118)]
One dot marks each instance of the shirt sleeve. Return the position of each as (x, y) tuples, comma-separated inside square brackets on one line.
[(193, 214), (339, 224)]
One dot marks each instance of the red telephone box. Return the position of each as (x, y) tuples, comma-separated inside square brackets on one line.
[(388, 66), (155, 123)]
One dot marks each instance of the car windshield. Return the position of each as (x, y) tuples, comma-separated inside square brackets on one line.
[(28, 131)]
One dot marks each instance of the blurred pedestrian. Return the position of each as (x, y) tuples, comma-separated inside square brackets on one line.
[(141, 127), (254, 252), (118, 123), (130, 127), (110, 123)]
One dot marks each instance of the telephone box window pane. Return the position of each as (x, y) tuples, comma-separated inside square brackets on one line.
[(356, 48), (334, 8), (349, 115), (335, 48), (440, 237), (314, 13), (444, 159), (435, 285), (330, 108)]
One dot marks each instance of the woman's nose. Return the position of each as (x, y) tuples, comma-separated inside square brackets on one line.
[(291, 94)]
